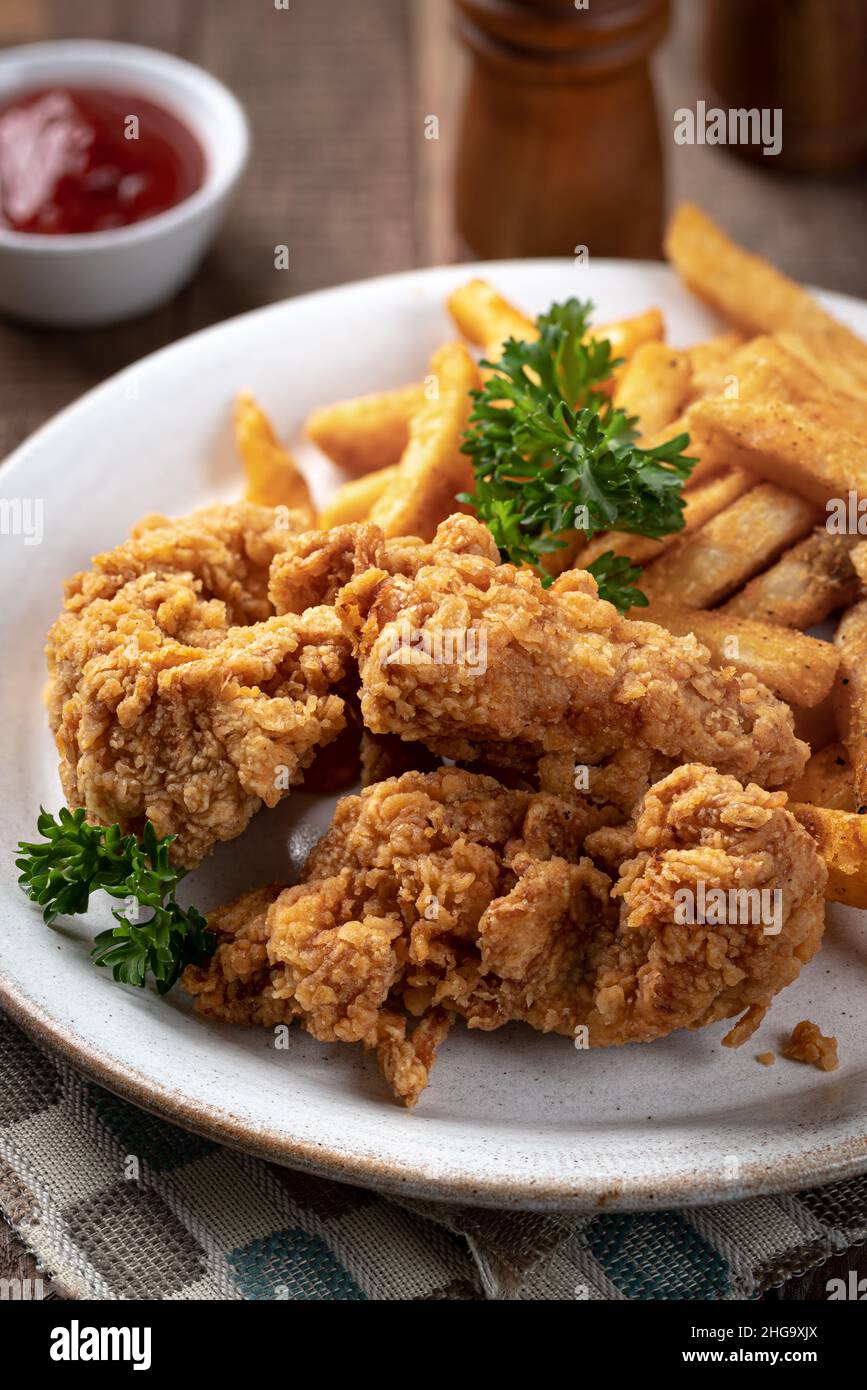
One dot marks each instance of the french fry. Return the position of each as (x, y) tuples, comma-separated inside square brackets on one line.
[(555, 562), (708, 564), (798, 668), (701, 503), (809, 582), (782, 443), (710, 459), (486, 318), (368, 433), (710, 364), (433, 469), (827, 780), (752, 294), (654, 386), (273, 476), (816, 726), (841, 839), (850, 692), (835, 372), (354, 500), (766, 371), (626, 336)]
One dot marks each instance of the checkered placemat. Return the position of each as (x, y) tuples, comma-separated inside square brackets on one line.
[(116, 1204)]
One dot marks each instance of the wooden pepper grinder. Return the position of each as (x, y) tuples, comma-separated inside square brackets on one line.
[(559, 147)]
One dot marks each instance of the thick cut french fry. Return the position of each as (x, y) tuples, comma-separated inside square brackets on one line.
[(432, 470), (556, 561), (752, 294), (763, 373), (709, 460), (782, 443), (841, 839), (708, 564), (833, 371), (654, 386), (486, 318), (850, 692), (764, 370), (827, 780), (808, 583), (816, 726), (354, 500), (627, 335), (798, 668), (273, 476), (710, 362), (701, 503), (368, 433)]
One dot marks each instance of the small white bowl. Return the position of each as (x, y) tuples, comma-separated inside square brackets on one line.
[(92, 278)]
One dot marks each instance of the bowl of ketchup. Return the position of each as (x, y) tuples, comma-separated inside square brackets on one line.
[(116, 167)]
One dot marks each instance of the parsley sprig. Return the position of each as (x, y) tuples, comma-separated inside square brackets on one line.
[(76, 859), (551, 454)]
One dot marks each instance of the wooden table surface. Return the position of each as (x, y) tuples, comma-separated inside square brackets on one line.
[(341, 173)]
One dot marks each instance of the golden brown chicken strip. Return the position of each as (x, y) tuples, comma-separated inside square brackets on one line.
[(446, 893), (175, 693), (478, 660)]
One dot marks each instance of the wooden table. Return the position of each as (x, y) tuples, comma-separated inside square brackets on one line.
[(341, 173)]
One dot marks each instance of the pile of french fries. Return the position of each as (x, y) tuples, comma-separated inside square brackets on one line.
[(776, 411)]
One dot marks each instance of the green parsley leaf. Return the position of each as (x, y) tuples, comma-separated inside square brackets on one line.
[(76, 859), (551, 454)]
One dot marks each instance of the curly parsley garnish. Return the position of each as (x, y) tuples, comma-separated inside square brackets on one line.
[(76, 859), (551, 454)]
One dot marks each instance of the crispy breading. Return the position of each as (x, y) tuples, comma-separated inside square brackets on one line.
[(615, 785), (175, 694), (478, 660), (697, 827), (314, 566), (445, 893), (808, 1044), (234, 985)]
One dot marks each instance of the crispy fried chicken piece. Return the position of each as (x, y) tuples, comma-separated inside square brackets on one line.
[(234, 986), (445, 893), (175, 694), (618, 783), (478, 660), (314, 566), (696, 832)]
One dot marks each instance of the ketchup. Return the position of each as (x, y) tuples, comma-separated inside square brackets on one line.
[(76, 159)]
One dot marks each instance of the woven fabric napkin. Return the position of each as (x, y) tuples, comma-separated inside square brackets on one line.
[(116, 1204)]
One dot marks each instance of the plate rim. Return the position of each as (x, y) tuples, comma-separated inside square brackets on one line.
[(707, 1185), (699, 1188)]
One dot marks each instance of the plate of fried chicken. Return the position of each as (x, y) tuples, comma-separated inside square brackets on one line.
[(448, 825)]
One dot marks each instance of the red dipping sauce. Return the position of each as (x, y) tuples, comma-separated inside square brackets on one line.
[(76, 159)]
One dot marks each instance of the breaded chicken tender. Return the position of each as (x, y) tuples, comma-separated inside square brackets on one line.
[(698, 836), (478, 660), (442, 894), (175, 693)]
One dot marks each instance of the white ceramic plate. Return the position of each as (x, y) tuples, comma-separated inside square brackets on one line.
[(510, 1118)]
